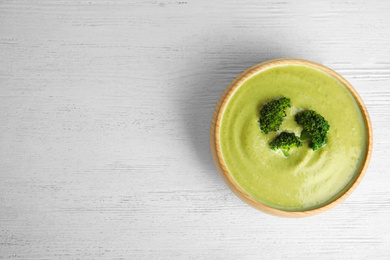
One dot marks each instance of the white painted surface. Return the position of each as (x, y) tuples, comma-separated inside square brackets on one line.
[(105, 109)]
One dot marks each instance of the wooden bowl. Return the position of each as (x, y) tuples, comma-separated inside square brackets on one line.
[(216, 149)]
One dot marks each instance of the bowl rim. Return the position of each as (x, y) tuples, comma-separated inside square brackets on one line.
[(217, 153)]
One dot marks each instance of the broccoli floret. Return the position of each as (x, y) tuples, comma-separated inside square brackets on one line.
[(285, 142), (272, 113), (315, 128)]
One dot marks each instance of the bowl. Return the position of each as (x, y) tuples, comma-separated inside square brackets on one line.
[(221, 164)]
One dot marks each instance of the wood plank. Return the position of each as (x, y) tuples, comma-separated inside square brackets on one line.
[(105, 111)]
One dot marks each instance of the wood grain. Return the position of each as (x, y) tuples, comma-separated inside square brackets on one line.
[(105, 108)]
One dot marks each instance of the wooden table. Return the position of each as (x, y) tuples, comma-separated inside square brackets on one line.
[(105, 109)]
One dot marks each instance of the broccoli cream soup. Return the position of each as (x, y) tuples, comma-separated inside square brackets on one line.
[(306, 179)]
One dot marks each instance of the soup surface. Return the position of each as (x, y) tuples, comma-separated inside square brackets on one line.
[(306, 179)]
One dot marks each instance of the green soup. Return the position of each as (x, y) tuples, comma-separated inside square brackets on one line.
[(306, 179)]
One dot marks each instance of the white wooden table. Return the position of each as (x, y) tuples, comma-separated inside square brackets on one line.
[(105, 108)]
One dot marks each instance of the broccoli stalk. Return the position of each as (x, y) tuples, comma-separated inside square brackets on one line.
[(315, 128), (285, 142), (272, 113)]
